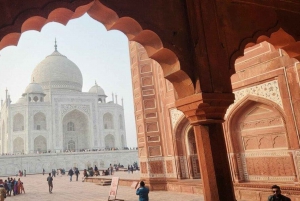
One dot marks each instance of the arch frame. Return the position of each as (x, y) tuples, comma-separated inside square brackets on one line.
[(237, 108)]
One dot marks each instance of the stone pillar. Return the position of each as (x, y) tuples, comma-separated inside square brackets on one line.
[(206, 112)]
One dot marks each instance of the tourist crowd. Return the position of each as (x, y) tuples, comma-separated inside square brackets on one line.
[(12, 187)]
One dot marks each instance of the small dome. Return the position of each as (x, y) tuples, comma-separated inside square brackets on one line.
[(97, 90), (34, 88), (21, 100)]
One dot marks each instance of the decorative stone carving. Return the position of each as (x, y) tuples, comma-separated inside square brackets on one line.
[(175, 115), (268, 90), (152, 127), (169, 165), (66, 108), (144, 168), (147, 81), (148, 92), (146, 68), (151, 115), (154, 150), (153, 138), (156, 167), (267, 166), (149, 104)]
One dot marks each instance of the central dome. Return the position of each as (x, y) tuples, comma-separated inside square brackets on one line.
[(57, 72)]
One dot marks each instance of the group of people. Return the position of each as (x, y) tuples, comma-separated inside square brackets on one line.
[(11, 187), (72, 172)]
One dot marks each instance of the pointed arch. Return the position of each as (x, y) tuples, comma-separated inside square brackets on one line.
[(109, 141), (153, 44), (108, 121), (40, 144), (18, 145), (76, 130), (18, 122), (40, 121)]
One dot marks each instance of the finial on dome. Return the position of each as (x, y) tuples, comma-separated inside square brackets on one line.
[(33, 80), (55, 46), (96, 82)]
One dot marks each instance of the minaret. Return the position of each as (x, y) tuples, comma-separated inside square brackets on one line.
[(6, 96), (112, 98), (116, 99), (122, 101), (55, 45)]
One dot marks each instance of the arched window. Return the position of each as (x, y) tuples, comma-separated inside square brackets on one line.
[(18, 123), (35, 99), (40, 121), (70, 126), (99, 100), (108, 121)]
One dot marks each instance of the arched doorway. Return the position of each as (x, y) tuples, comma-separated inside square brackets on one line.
[(40, 144), (186, 151), (109, 141), (18, 146), (192, 155), (76, 131)]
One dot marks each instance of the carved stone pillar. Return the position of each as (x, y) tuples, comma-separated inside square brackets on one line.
[(205, 111)]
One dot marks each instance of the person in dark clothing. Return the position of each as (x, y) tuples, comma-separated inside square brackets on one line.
[(131, 169), (50, 182), (277, 196), (77, 173), (70, 173), (142, 192)]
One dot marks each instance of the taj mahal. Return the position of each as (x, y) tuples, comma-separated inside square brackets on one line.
[(54, 115)]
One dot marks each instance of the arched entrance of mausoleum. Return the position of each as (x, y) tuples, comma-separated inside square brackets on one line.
[(76, 134)]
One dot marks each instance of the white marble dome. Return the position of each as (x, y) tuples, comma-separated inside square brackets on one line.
[(34, 88), (57, 71), (96, 89)]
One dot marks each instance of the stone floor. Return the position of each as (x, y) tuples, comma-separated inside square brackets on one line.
[(36, 189)]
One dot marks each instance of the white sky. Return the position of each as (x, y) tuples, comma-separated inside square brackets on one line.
[(101, 55)]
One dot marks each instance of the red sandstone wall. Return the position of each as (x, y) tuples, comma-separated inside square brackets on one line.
[(262, 125)]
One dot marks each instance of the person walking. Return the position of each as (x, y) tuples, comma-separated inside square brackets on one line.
[(77, 173), (24, 173), (70, 173), (131, 169), (43, 171), (111, 169), (142, 192), (277, 196), (50, 182)]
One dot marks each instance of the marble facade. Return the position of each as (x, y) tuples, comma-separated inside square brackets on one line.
[(34, 163)]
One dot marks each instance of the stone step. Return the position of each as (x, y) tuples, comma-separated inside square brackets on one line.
[(104, 182)]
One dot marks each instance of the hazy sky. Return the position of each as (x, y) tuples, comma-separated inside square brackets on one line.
[(101, 55)]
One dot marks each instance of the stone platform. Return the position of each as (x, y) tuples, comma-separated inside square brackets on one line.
[(34, 163)]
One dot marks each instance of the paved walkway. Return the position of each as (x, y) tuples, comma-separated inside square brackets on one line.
[(36, 189)]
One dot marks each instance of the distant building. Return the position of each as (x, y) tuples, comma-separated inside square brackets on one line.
[(54, 115)]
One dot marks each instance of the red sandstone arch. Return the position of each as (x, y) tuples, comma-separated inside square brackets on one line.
[(278, 38), (248, 100), (181, 131), (131, 28)]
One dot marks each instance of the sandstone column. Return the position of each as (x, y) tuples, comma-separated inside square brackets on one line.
[(206, 112)]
